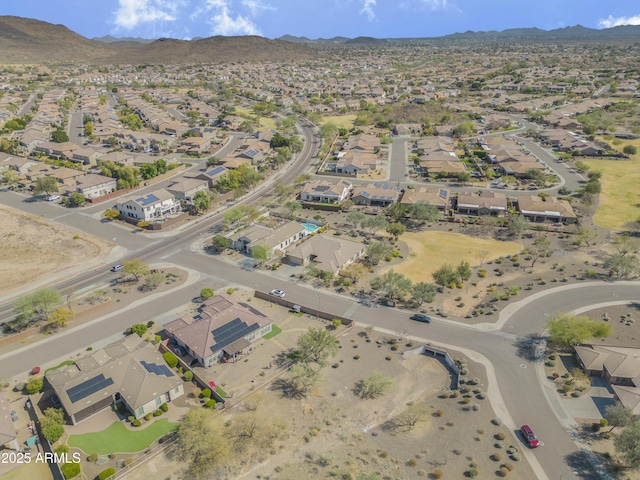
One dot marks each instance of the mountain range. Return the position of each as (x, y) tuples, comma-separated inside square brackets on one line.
[(25, 40)]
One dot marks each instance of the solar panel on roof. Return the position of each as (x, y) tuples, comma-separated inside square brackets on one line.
[(157, 369), (442, 194), (215, 171), (144, 201), (88, 387), (231, 332)]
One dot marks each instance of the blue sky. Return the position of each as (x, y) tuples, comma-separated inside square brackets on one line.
[(318, 18)]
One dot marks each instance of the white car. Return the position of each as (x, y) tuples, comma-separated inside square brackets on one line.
[(277, 293), (53, 198)]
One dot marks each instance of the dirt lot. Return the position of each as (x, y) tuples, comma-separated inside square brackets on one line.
[(33, 248)]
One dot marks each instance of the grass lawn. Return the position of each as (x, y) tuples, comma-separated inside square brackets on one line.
[(63, 364), (342, 121), (274, 331), (428, 251), (29, 470), (220, 391), (619, 206), (117, 438)]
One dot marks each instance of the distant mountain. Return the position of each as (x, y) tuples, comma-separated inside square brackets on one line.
[(24, 40), (577, 32), (110, 39), (294, 39), (365, 41)]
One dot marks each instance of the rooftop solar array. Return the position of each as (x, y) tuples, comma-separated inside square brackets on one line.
[(231, 332), (216, 171), (157, 369), (88, 387), (443, 194), (149, 199), (252, 153)]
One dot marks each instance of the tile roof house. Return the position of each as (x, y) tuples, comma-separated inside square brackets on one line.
[(326, 191), (273, 239), (487, 203), (439, 197), (93, 185), (618, 365), (156, 205), (221, 330), (130, 372), (185, 189), (327, 252), (375, 194), (210, 175), (541, 209)]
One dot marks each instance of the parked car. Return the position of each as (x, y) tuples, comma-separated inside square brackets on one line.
[(529, 436), (277, 293), (421, 317), (179, 350), (53, 198), (116, 268)]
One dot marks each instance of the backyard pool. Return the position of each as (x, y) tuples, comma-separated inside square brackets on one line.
[(310, 228)]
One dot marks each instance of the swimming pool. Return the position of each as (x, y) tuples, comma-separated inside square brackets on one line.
[(310, 227)]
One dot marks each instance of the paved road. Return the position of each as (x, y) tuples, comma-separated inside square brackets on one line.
[(398, 160)]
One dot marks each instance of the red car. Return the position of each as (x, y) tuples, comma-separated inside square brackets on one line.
[(529, 436)]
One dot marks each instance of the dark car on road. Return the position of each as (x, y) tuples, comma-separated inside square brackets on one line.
[(421, 317), (529, 436)]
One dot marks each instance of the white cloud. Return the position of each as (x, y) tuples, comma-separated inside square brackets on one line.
[(367, 9), (132, 13), (434, 5), (223, 22), (256, 7), (611, 21)]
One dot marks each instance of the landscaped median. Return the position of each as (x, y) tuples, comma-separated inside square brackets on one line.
[(118, 438)]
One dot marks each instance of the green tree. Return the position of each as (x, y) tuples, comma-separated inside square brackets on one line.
[(394, 285), (517, 225), (88, 129), (622, 265), (584, 235), (377, 251), (200, 443), (9, 176), (445, 275), (261, 253), (423, 212), (540, 248), (301, 380), (111, 213), (397, 211), (374, 223), (135, 267), (537, 176), (373, 386), (629, 150), (463, 271), (213, 161), (282, 191), (423, 292), (317, 345), (618, 415), (202, 201), (34, 385), (139, 329), (37, 306), (278, 141), (628, 445), (206, 293), (148, 171), (59, 135), (152, 281), (76, 199), (396, 229), (220, 243), (355, 218), (570, 330), (464, 177), (293, 207), (52, 424), (46, 185)]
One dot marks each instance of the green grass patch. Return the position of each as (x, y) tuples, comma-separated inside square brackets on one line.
[(29, 470), (118, 438), (274, 331), (66, 363), (220, 391), (297, 314)]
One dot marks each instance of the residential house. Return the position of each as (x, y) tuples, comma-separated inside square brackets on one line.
[(121, 158), (93, 185), (185, 189), (407, 129), (221, 330), (154, 206), (210, 175), (487, 203), (439, 197), (375, 194), (130, 372), (326, 191), (275, 240), (620, 366), (541, 209), (86, 156), (356, 162), (326, 252), (194, 145)]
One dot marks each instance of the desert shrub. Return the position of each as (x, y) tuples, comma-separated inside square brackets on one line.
[(515, 457), (356, 357), (466, 400), (92, 458), (475, 407), (34, 385), (171, 359), (439, 412), (482, 273), (206, 393), (496, 456), (384, 454), (509, 466), (164, 407), (61, 449), (500, 436), (496, 421), (437, 474), (388, 357), (128, 461), (157, 413), (147, 417), (473, 472), (136, 423), (71, 470), (131, 418), (504, 472), (106, 473), (412, 463), (210, 403), (188, 375)]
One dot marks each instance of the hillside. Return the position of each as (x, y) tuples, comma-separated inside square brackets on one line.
[(24, 40)]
